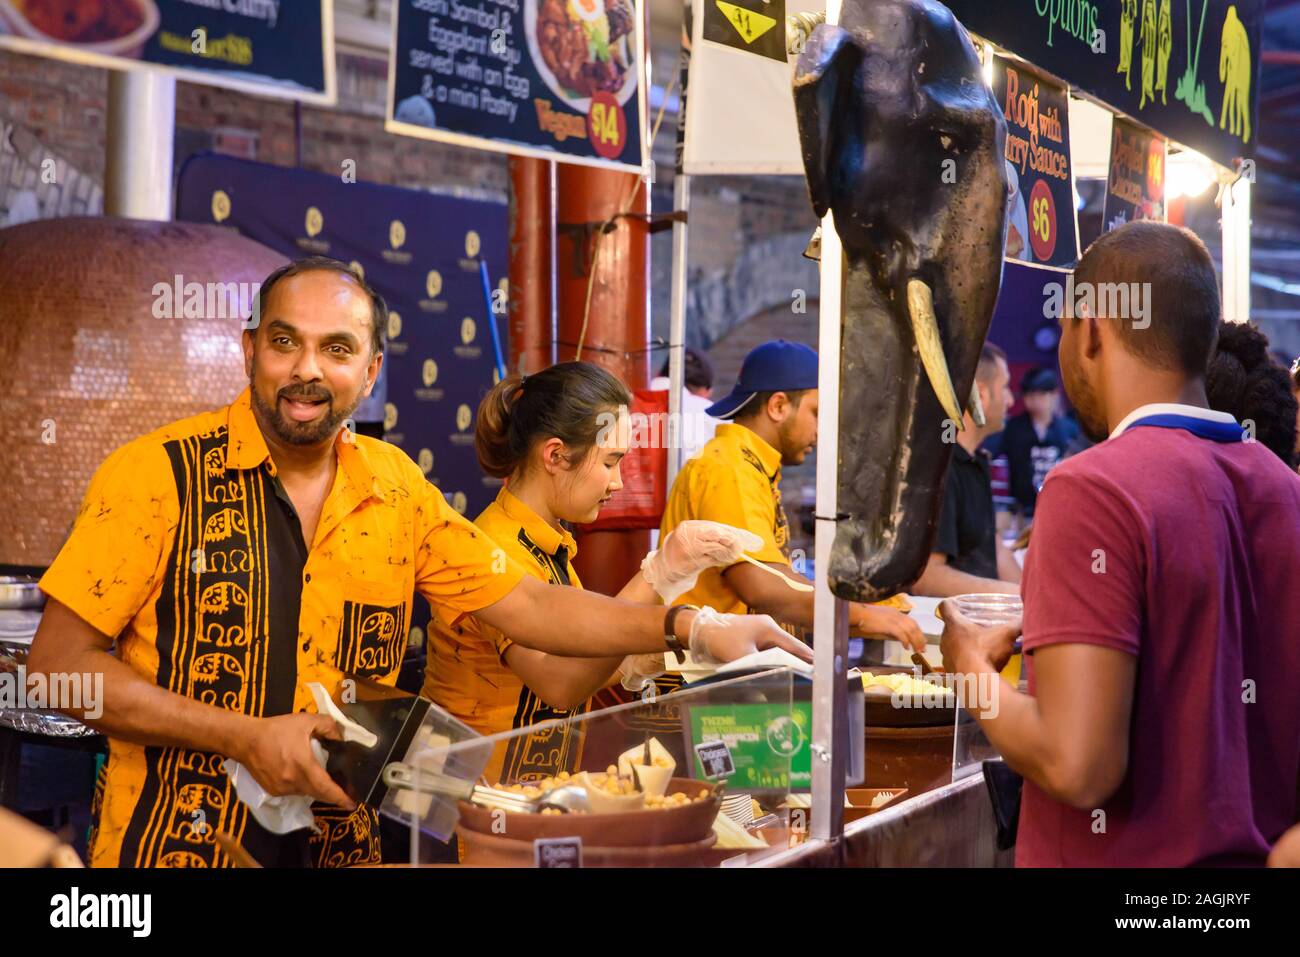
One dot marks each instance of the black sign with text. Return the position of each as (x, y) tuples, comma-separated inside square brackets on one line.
[(1188, 68), (553, 78)]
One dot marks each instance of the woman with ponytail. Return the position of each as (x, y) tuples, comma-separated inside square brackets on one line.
[(557, 438)]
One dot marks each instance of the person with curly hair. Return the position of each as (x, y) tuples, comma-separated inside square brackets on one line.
[(1244, 380)]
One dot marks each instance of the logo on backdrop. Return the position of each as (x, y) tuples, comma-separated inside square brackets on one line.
[(472, 247), (396, 237), (396, 345), (433, 288), (314, 223), (429, 376), (468, 329), (220, 206)]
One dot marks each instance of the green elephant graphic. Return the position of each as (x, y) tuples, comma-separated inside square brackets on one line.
[(1148, 41), (1127, 15), (1234, 73), (1164, 48)]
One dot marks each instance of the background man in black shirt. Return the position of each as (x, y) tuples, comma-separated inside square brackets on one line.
[(968, 556), (1036, 439)]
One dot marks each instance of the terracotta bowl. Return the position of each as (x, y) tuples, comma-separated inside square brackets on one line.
[(688, 824)]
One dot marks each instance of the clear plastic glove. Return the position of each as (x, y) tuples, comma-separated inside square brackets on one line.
[(688, 549), (640, 670), (716, 639)]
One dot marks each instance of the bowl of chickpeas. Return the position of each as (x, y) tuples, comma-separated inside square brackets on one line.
[(620, 816)]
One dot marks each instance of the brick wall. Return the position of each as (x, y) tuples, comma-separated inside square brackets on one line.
[(746, 232), (54, 109)]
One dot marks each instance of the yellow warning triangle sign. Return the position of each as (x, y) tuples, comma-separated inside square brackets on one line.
[(748, 24)]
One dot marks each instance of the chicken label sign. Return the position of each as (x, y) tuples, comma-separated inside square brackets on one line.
[(557, 79)]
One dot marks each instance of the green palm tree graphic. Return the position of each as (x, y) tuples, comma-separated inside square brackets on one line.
[(1187, 89)]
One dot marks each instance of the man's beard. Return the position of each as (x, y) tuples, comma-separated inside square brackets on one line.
[(1085, 403), (292, 432), (792, 453)]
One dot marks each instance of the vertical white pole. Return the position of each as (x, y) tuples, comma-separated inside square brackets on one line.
[(1236, 251), (830, 614), (677, 328), (141, 141)]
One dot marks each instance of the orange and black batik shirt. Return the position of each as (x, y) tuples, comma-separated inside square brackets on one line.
[(187, 550), (467, 674)]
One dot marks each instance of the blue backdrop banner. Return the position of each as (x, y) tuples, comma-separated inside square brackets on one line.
[(421, 252)]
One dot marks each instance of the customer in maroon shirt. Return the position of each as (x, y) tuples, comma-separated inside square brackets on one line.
[(1161, 592)]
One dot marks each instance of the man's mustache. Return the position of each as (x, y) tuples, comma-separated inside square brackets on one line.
[(306, 394)]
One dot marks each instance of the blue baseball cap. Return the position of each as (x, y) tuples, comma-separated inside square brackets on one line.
[(777, 366)]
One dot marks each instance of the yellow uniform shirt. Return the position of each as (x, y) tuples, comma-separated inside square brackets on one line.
[(466, 671), (736, 479), (188, 551)]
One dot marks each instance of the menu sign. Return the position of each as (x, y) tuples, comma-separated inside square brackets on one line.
[(1135, 186), (1041, 215), (259, 46), (560, 79)]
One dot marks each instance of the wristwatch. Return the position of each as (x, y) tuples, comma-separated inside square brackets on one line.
[(670, 638)]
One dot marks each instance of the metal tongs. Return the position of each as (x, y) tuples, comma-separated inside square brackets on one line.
[(408, 778)]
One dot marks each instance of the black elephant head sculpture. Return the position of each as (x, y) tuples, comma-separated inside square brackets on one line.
[(903, 142)]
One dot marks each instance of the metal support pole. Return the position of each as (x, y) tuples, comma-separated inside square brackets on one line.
[(1236, 251), (830, 614), (141, 142), (677, 327)]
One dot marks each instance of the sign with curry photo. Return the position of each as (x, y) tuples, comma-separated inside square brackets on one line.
[(1187, 68), (559, 79), (258, 46), (1041, 225)]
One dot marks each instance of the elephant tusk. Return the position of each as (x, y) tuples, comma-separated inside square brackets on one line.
[(976, 406), (920, 307)]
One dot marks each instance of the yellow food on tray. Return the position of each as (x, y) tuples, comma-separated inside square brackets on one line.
[(902, 684), (899, 602)]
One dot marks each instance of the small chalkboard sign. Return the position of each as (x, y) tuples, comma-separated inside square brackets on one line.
[(715, 758), (557, 852)]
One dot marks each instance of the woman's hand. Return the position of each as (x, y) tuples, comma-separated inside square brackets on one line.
[(877, 620), (689, 549), (719, 638)]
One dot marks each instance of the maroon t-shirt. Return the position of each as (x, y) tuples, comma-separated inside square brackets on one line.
[(1201, 548)]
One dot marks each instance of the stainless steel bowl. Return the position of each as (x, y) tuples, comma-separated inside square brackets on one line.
[(20, 591)]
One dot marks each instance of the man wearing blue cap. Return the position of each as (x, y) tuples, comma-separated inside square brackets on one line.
[(736, 479), (1037, 439)]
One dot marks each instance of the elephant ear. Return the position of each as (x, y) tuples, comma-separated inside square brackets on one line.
[(823, 80)]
